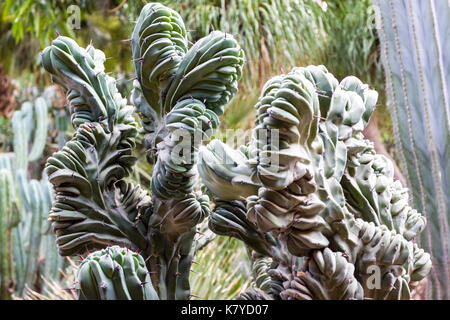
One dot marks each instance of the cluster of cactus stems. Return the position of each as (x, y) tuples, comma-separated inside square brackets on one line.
[(310, 194), (314, 222), (27, 245)]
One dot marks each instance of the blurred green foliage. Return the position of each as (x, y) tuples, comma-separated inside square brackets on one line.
[(229, 270)]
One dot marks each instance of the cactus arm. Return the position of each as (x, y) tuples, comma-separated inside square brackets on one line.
[(40, 135), (53, 262), (92, 95), (159, 44), (282, 100), (175, 173), (191, 110), (94, 162), (177, 208), (6, 267), (208, 72), (229, 218), (22, 123), (93, 206), (419, 103), (172, 230), (30, 123), (225, 173), (36, 202)]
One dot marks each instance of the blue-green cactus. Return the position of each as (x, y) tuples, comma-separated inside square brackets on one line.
[(30, 248), (114, 273), (323, 194)]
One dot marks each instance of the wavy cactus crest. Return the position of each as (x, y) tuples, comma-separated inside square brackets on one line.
[(180, 92), (315, 187)]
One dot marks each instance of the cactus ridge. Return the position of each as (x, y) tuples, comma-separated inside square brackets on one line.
[(114, 273), (175, 173), (92, 95), (327, 276), (92, 202)]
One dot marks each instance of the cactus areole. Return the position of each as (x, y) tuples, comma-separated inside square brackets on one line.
[(309, 196)]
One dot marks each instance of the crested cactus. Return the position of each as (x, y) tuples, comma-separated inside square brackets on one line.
[(312, 195), (317, 207), (179, 92)]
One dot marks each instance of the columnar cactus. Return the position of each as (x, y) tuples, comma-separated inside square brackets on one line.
[(180, 92), (115, 273), (29, 252), (413, 35), (312, 190)]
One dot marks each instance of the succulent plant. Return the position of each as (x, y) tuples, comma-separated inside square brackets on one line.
[(115, 273), (416, 67), (317, 207), (179, 92), (28, 248), (315, 197)]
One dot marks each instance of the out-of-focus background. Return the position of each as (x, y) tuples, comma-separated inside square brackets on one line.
[(275, 36)]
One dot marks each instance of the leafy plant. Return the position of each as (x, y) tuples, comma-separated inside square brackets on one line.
[(222, 270)]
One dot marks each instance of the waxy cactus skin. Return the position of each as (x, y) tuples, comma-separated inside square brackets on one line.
[(328, 204)]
